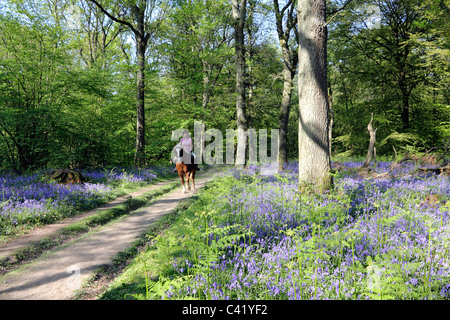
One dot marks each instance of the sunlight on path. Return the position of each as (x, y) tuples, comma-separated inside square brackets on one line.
[(39, 233), (58, 275)]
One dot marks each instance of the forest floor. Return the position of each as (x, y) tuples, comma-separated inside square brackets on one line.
[(59, 273)]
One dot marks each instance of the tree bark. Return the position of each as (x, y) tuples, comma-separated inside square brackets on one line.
[(290, 59), (288, 76), (206, 84), (313, 142), (371, 149), (140, 109), (405, 111), (239, 14), (331, 121)]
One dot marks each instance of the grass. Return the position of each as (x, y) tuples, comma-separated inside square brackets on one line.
[(127, 258), (32, 200), (250, 236), (69, 232)]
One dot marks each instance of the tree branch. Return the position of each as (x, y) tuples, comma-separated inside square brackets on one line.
[(335, 12), (129, 25), (286, 7)]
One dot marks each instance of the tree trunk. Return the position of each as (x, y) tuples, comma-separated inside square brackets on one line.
[(141, 22), (405, 111), (206, 84), (331, 122), (288, 75), (239, 13), (314, 157), (140, 112), (290, 60), (141, 47), (371, 151)]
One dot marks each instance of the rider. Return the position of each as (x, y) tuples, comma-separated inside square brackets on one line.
[(186, 144)]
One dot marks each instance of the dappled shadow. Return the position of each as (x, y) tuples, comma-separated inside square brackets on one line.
[(53, 277), (315, 50)]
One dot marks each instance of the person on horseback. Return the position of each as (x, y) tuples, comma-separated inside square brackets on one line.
[(186, 144)]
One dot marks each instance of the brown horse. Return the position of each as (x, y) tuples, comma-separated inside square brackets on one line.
[(185, 168)]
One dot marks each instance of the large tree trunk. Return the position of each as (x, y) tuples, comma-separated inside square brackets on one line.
[(239, 13), (313, 142)]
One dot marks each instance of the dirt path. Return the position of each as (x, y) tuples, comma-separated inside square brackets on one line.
[(39, 233), (58, 275)]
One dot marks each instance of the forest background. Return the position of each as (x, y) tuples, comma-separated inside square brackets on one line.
[(70, 74)]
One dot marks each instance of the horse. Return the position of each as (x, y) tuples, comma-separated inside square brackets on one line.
[(184, 168)]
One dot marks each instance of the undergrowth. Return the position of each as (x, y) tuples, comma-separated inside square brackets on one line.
[(250, 236)]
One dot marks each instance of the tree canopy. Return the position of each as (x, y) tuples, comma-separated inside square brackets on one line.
[(104, 83)]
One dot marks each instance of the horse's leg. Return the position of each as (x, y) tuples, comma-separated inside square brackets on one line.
[(188, 180), (193, 178), (182, 182)]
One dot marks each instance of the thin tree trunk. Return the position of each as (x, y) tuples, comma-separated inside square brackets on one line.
[(405, 111), (314, 157), (206, 84), (331, 122), (371, 150), (290, 65), (290, 60), (239, 14), (140, 123), (284, 116), (142, 37), (141, 47), (249, 82)]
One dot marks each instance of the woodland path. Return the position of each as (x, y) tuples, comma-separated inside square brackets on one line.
[(58, 274), (39, 233)]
